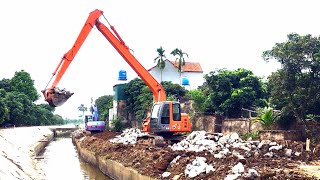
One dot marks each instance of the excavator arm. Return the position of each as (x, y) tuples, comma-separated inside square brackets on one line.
[(165, 117), (55, 97)]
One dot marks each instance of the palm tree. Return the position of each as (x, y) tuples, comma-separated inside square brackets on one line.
[(266, 117), (82, 108), (160, 61), (180, 59)]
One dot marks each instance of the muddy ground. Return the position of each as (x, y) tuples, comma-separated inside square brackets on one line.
[(154, 161)]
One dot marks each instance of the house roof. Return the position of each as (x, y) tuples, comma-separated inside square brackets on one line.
[(188, 66)]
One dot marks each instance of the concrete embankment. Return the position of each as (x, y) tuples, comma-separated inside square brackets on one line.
[(19, 147), (110, 168)]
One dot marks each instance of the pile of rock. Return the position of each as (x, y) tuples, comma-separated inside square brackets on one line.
[(129, 136), (222, 146), (79, 133)]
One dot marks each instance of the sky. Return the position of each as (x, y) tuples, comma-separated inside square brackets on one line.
[(230, 34)]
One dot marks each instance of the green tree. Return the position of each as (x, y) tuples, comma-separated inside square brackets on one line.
[(17, 96), (230, 91), (140, 98), (180, 59), (104, 103), (22, 82), (48, 107), (266, 117), (296, 86), (57, 119), (16, 107), (82, 108), (132, 90), (173, 90), (6, 85), (145, 100), (160, 60), (199, 99), (4, 110)]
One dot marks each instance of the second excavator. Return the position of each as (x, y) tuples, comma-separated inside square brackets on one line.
[(165, 118)]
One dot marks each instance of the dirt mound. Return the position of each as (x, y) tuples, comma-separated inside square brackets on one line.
[(236, 159)]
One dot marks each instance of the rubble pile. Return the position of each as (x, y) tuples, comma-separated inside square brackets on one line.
[(228, 146), (197, 167), (203, 155), (129, 136), (79, 133), (221, 146)]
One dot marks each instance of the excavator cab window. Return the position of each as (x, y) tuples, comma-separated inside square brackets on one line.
[(165, 114), (156, 111), (176, 112)]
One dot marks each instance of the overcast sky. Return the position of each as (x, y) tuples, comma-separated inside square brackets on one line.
[(219, 34)]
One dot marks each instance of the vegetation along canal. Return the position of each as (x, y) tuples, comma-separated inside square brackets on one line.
[(61, 161)]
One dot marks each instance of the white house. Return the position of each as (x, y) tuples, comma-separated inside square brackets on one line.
[(192, 71)]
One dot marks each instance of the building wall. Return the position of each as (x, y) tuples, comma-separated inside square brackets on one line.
[(195, 79), (170, 73)]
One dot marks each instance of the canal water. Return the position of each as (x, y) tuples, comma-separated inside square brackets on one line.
[(61, 161)]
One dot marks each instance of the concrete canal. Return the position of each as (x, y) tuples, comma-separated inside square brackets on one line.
[(32, 153), (60, 160)]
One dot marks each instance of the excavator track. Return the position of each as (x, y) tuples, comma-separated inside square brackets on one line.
[(160, 140)]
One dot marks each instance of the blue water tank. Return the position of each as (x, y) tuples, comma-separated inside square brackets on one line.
[(185, 82), (122, 75)]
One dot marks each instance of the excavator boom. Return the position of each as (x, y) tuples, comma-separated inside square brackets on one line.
[(166, 116), (55, 97)]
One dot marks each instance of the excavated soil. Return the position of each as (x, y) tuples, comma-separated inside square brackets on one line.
[(153, 161)]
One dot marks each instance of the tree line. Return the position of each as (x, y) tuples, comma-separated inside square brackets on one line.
[(17, 103), (293, 90)]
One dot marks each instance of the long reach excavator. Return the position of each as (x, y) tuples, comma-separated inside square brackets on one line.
[(165, 119)]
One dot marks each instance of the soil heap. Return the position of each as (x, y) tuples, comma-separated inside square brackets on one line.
[(204, 156)]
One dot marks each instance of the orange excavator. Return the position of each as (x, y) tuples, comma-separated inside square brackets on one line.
[(165, 117)]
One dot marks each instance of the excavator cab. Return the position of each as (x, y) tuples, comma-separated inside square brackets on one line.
[(56, 97), (166, 117)]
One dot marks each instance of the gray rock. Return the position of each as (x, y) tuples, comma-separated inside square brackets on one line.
[(288, 152)]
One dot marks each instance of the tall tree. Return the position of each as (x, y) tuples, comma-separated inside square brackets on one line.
[(17, 108), (230, 91), (22, 82), (82, 108), (104, 103), (4, 110), (160, 60), (6, 85), (173, 90), (296, 86), (133, 90), (180, 59), (198, 98)]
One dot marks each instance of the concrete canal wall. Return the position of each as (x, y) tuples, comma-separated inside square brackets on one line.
[(110, 168), (19, 147)]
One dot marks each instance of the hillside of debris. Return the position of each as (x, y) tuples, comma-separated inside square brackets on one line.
[(204, 156)]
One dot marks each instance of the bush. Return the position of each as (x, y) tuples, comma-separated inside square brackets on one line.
[(266, 117), (116, 125), (253, 135), (286, 120)]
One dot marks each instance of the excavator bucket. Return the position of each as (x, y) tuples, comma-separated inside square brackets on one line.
[(56, 97)]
